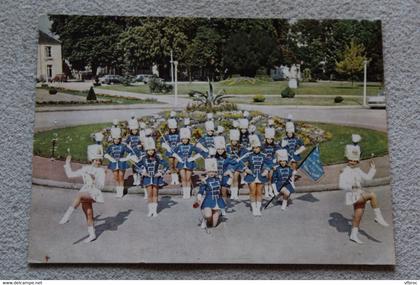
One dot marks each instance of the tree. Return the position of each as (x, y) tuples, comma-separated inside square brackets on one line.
[(353, 60)]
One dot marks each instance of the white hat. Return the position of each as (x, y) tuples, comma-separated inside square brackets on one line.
[(246, 114), (210, 116), (115, 122), (115, 133), (234, 135), (94, 151), (269, 133), (235, 124), (219, 142), (172, 114), (148, 132), (252, 129), (254, 140), (209, 126), (133, 124), (220, 129), (172, 124), (290, 127), (142, 125), (149, 143), (132, 116), (99, 137), (352, 152), (289, 117), (282, 154), (270, 122), (142, 135), (210, 164), (355, 138), (243, 123), (187, 121), (185, 133)]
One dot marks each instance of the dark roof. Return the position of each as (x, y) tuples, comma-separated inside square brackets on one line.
[(47, 39)]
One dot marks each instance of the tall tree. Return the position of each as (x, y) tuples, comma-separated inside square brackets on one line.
[(353, 60)]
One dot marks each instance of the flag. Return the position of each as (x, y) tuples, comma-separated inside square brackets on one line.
[(312, 165)]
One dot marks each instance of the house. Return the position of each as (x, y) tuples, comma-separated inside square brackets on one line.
[(50, 60)]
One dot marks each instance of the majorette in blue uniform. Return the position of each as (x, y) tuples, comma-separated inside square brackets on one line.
[(256, 167), (153, 168), (116, 154), (235, 151), (186, 154), (283, 177), (269, 148), (207, 141), (244, 133), (292, 143), (134, 145), (210, 195), (225, 165), (169, 142)]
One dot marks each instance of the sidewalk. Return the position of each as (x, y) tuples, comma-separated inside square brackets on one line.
[(49, 172)]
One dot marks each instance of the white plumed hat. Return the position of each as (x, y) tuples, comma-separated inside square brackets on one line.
[(172, 124), (133, 124), (94, 151), (243, 123), (252, 129), (99, 137), (246, 114), (234, 135), (116, 133), (209, 126), (149, 143), (219, 142), (290, 127), (187, 121), (269, 133), (270, 122), (254, 140), (220, 130), (352, 152), (185, 133), (115, 122), (148, 132), (210, 164), (289, 117), (172, 114), (132, 116), (210, 116), (235, 124), (282, 154), (355, 138), (142, 125)]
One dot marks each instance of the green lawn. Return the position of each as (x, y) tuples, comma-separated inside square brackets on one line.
[(274, 100), (374, 143), (266, 87)]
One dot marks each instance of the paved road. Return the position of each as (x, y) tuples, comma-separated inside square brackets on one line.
[(314, 229)]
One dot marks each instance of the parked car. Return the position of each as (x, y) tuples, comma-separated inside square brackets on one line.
[(377, 101), (111, 79), (143, 78)]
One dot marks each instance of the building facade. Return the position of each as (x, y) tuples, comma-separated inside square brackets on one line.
[(50, 60)]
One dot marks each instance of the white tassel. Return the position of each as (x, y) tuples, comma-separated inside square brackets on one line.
[(67, 215)]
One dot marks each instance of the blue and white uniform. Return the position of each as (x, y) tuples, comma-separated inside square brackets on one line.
[(269, 151), (185, 152), (283, 175), (293, 144), (210, 189), (118, 152), (172, 139), (150, 167), (207, 141), (257, 163), (224, 164)]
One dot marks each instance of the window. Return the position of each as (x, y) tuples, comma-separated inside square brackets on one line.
[(48, 51), (49, 71)]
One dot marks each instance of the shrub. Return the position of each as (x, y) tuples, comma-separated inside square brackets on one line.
[(307, 76), (287, 93), (338, 99), (223, 107), (52, 91), (258, 98), (157, 85), (91, 95), (97, 83)]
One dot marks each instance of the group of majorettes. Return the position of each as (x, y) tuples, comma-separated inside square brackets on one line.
[(264, 164)]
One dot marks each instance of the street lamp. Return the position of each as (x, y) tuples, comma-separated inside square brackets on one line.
[(172, 69), (364, 81), (176, 83)]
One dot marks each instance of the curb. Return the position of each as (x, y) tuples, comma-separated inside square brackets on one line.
[(177, 191)]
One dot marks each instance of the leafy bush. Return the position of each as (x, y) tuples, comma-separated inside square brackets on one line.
[(91, 95), (258, 98), (307, 76), (224, 107), (97, 83), (338, 99), (52, 91), (287, 93), (157, 85)]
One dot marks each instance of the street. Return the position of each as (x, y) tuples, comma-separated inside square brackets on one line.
[(314, 229)]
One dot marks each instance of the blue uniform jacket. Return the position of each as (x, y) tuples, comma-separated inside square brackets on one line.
[(172, 140), (151, 166), (118, 151), (257, 163), (283, 175), (210, 188), (207, 141), (234, 153), (270, 150), (186, 151), (293, 144)]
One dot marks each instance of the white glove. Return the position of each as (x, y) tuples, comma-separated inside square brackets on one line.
[(228, 173), (133, 158), (299, 150), (110, 158), (191, 159), (200, 146), (248, 171), (284, 143), (264, 173), (166, 146), (124, 158), (158, 174)]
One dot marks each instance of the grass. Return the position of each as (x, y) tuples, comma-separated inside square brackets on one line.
[(314, 101), (374, 143), (265, 88), (108, 99)]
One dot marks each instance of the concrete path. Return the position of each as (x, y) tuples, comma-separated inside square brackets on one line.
[(313, 229)]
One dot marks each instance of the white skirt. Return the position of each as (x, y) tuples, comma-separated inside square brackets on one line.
[(353, 196), (94, 193)]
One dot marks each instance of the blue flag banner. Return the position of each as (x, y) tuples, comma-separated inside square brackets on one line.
[(313, 165)]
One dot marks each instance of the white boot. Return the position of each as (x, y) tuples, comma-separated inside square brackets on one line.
[(354, 235), (92, 235), (223, 212), (155, 214), (284, 204), (121, 192), (274, 188), (150, 206), (234, 193), (145, 194), (175, 179), (266, 191), (117, 189), (186, 193), (203, 223), (258, 208), (137, 183), (67, 215), (254, 208), (134, 179), (379, 218)]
